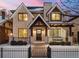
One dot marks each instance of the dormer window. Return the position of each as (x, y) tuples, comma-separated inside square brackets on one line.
[(23, 17), (56, 16)]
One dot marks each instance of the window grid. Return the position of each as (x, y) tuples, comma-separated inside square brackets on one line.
[(55, 33), (56, 16), (23, 17), (22, 33)]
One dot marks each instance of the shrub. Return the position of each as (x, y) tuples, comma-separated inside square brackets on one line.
[(25, 43), (18, 43), (59, 43), (55, 43), (13, 43), (67, 43)]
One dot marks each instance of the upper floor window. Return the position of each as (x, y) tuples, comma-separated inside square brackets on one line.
[(23, 17), (56, 16)]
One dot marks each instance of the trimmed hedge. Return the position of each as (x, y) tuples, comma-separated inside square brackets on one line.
[(18, 43), (60, 43)]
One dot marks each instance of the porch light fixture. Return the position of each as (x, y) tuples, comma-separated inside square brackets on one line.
[(39, 31)]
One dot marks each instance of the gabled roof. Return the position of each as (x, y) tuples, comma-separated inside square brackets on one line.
[(4, 20), (22, 5), (73, 18), (54, 6), (41, 19), (32, 10)]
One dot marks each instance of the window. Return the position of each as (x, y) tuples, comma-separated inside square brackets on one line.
[(55, 32), (3, 15), (22, 33), (56, 16), (0, 17), (23, 17)]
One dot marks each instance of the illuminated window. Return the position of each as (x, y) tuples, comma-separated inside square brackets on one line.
[(20, 17), (55, 32), (23, 17), (22, 33), (56, 16)]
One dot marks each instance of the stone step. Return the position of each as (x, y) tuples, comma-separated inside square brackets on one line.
[(39, 57), (38, 43)]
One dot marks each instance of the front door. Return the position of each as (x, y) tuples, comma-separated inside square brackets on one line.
[(38, 35)]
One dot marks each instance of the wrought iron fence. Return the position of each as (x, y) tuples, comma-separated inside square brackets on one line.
[(52, 52), (14, 52), (65, 52)]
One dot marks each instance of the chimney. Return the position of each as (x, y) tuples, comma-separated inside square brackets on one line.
[(47, 6)]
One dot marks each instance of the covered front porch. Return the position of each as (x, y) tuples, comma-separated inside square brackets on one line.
[(60, 33), (39, 30), (59, 36)]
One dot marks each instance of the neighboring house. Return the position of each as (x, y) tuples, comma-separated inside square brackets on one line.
[(46, 24), (4, 27)]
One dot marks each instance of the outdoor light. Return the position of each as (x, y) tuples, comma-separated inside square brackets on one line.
[(11, 34)]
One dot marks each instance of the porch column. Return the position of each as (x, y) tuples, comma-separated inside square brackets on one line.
[(31, 34), (10, 38), (70, 31), (46, 33), (70, 35), (31, 31)]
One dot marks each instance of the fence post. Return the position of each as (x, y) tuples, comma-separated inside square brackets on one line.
[(48, 52), (29, 52), (1, 52)]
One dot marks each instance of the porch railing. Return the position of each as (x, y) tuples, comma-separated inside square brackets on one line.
[(55, 39)]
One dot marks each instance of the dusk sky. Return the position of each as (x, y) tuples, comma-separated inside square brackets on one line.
[(13, 4)]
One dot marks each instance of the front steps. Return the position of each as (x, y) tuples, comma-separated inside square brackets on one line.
[(39, 50)]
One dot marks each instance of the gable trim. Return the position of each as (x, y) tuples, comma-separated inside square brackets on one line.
[(22, 4), (55, 5), (36, 19)]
